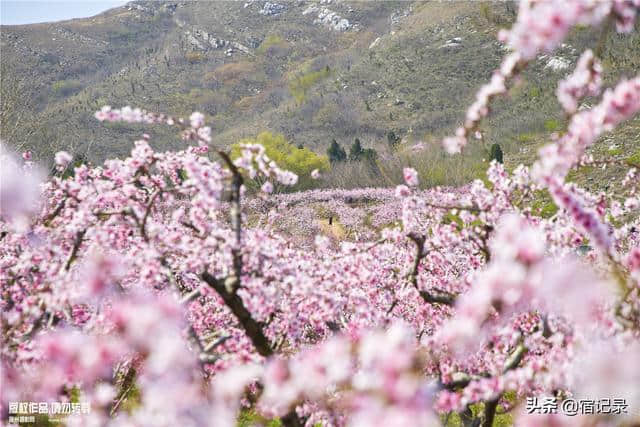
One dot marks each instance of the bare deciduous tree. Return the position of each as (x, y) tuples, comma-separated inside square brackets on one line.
[(16, 108)]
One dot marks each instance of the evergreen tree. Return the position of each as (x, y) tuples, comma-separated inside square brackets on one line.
[(496, 153), (356, 151), (392, 139), (336, 153)]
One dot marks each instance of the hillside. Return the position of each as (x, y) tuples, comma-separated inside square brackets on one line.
[(312, 71)]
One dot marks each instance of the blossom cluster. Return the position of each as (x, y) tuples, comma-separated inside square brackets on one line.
[(540, 27)]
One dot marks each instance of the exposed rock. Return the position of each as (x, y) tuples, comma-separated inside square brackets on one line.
[(240, 47), (557, 63), (271, 9), (194, 41), (342, 25), (77, 37), (155, 7), (171, 7), (400, 15), (568, 47), (327, 17), (212, 41), (254, 42), (202, 40), (311, 9), (134, 6), (454, 42), (374, 43)]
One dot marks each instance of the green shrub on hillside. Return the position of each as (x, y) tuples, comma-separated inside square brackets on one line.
[(544, 207), (301, 84), (270, 41), (301, 161), (526, 137), (533, 92), (194, 57), (551, 125), (634, 159), (65, 88)]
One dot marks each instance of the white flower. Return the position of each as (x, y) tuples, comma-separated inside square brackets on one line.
[(63, 159), (267, 187), (197, 120), (402, 191), (410, 177), (454, 144)]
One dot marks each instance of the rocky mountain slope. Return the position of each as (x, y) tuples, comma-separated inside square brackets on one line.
[(313, 71)]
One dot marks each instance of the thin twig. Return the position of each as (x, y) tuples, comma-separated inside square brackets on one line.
[(143, 224), (190, 296), (214, 344)]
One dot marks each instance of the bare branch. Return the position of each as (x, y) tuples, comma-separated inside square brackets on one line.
[(251, 327), (47, 220), (74, 251), (511, 363), (143, 223), (428, 297), (516, 357)]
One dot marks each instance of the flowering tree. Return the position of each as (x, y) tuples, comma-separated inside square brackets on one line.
[(144, 288)]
